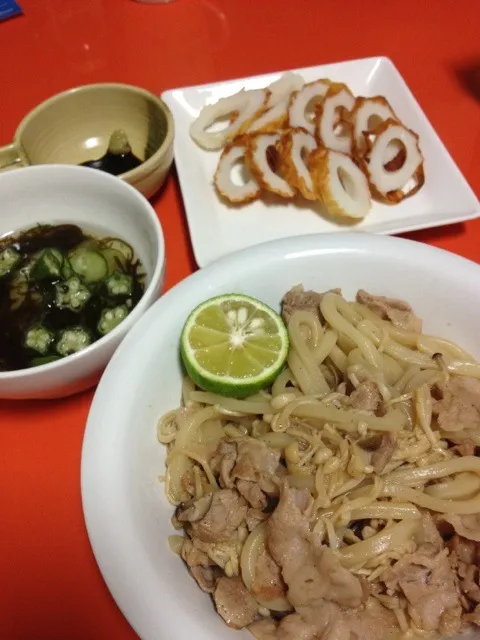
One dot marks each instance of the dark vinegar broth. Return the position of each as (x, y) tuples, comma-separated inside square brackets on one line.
[(119, 157), (114, 163), (65, 291)]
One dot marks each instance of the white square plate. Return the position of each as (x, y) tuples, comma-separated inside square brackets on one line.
[(217, 229)]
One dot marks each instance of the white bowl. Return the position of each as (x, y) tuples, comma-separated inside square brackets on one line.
[(127, 515), (97, 202)]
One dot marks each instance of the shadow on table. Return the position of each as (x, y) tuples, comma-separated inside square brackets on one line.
[(468, 74), (436, 233), (179, 197), (32, 408)]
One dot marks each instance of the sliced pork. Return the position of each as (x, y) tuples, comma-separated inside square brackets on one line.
[(224, 460), (268, 583), (252, 493), (459, 405), (255, 517), (465, 562), (398, 312), (366, 397), (206, 577), (467, 526), (297, 299), (227, 510), (428, 582), (234, 602), (311, 570)]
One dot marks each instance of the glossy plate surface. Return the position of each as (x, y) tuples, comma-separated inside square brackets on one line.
[(445, 198), (127, 515)]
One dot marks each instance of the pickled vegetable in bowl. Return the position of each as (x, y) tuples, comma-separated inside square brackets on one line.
[(62, 289)]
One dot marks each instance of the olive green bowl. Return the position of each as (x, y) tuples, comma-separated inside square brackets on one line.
[(75, 126)]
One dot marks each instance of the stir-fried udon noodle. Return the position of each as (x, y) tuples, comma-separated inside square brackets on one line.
[(342, 502)]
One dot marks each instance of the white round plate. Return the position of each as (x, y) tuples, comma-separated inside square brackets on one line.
[(127, 515)]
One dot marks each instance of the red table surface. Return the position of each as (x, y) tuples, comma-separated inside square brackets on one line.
[(50, 586)]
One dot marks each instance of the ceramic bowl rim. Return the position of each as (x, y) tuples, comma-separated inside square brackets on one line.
[(146, 166), (142, 305)]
